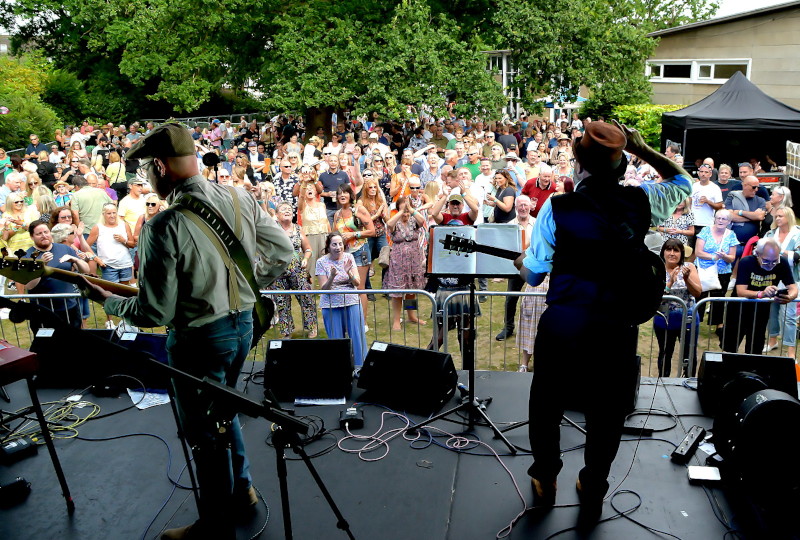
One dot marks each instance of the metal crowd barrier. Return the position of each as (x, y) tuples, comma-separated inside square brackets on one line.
[(726, 301), (490, 354)]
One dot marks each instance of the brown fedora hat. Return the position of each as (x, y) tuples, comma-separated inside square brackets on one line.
[(600, 148)]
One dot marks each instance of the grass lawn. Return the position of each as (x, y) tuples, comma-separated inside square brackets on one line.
[(490, 354)]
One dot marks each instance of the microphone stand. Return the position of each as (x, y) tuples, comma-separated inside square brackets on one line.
[(226, 402)]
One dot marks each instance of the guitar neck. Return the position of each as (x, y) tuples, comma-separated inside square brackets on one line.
[(77, 279), (496, 251)]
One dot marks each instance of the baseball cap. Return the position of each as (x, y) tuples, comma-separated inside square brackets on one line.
[(373, 135), (167, 140), (216, 121), (455, 197)]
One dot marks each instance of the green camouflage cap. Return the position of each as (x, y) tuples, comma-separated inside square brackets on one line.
[(167, 140)]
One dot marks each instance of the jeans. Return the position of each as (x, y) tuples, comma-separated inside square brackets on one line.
[(783, 321), (375, 244), (216, 350), (347, 321)]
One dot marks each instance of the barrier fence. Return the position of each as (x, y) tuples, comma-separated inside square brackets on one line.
[(693, 340)]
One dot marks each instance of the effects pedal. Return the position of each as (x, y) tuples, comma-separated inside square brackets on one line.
[(688, 445)]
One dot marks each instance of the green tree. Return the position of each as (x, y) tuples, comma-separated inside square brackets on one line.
[(21, 85)]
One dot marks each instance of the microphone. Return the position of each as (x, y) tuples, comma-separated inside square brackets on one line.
[(210, 159)]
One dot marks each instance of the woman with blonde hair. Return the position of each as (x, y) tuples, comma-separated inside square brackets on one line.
[(116, 168), (314, 219), (44, 203), (350, 143), (783, 317), (15, 224), (76, 150), (33, 181)]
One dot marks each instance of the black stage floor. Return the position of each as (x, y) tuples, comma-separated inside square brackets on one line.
[(420, 491)]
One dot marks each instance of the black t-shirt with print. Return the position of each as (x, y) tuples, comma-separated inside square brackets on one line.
[(756, 278)]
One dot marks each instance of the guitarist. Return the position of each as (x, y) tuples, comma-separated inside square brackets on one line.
[(586, 343), (185, 285)]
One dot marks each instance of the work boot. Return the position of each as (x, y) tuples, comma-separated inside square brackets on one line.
[(544, 493), (246, 499), (180, 533), (590, 510)]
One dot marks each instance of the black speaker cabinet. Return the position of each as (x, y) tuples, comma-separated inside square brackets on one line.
[(418, 381), (309, 368), (719, 368), (70, 358)]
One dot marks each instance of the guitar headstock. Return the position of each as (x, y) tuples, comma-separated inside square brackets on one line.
[(21, 270), (459, 244)]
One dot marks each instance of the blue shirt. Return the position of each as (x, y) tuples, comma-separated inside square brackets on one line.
[(664, 197)]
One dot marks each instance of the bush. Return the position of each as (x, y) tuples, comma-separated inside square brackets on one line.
[(646, 118), (65, 93), (27, 114)]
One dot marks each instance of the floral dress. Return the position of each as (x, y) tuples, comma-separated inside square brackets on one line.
[(295, 278), (407, 261)]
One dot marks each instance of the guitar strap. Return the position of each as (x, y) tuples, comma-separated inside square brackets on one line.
[(227, 245)]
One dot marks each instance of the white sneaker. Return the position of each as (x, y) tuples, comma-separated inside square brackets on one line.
[(366, 328), (110, 325)]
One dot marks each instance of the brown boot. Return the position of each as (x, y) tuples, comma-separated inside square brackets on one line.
[(246, 500), (179, 533), (544, 494), (591, 509)]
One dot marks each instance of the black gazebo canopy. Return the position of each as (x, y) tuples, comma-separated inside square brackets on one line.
[(734, 124)]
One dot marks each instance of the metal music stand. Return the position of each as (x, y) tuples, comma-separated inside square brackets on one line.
[(447, 263)]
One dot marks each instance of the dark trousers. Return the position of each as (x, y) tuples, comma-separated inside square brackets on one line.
[(515, 284), (746, 321), (583, 352), (666, 338), (216, 350)]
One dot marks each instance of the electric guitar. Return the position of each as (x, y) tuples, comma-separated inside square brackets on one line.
[(23, 270), (26, 269), (460, 244)]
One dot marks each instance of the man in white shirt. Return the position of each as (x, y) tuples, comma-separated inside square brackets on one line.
[(525, 220), (706, 199)]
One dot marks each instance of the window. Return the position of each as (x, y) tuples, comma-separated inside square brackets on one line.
[(3, 48), (678, 71), (726, 71), (715, 71)]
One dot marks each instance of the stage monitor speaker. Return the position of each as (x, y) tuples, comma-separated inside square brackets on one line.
[(70, 358), (418, 381), (309, 368), (719, 368)]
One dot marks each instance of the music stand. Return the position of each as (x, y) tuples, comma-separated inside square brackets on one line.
[(456, 257)]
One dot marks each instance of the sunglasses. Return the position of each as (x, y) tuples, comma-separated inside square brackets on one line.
[(414, 187), (286, 166), (152, 204)]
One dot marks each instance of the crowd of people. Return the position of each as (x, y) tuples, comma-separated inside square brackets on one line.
[(379, 187)]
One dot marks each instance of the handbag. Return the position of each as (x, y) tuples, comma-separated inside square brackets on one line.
[(709, 278), (233, 255), (384, 255)]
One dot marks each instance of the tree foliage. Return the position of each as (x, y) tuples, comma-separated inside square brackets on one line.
[(21, 85), (155, 57), (646, 118)]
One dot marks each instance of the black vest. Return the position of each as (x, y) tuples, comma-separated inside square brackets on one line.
[(589, 264)]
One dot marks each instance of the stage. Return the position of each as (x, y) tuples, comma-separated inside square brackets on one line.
[(417, 490)]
